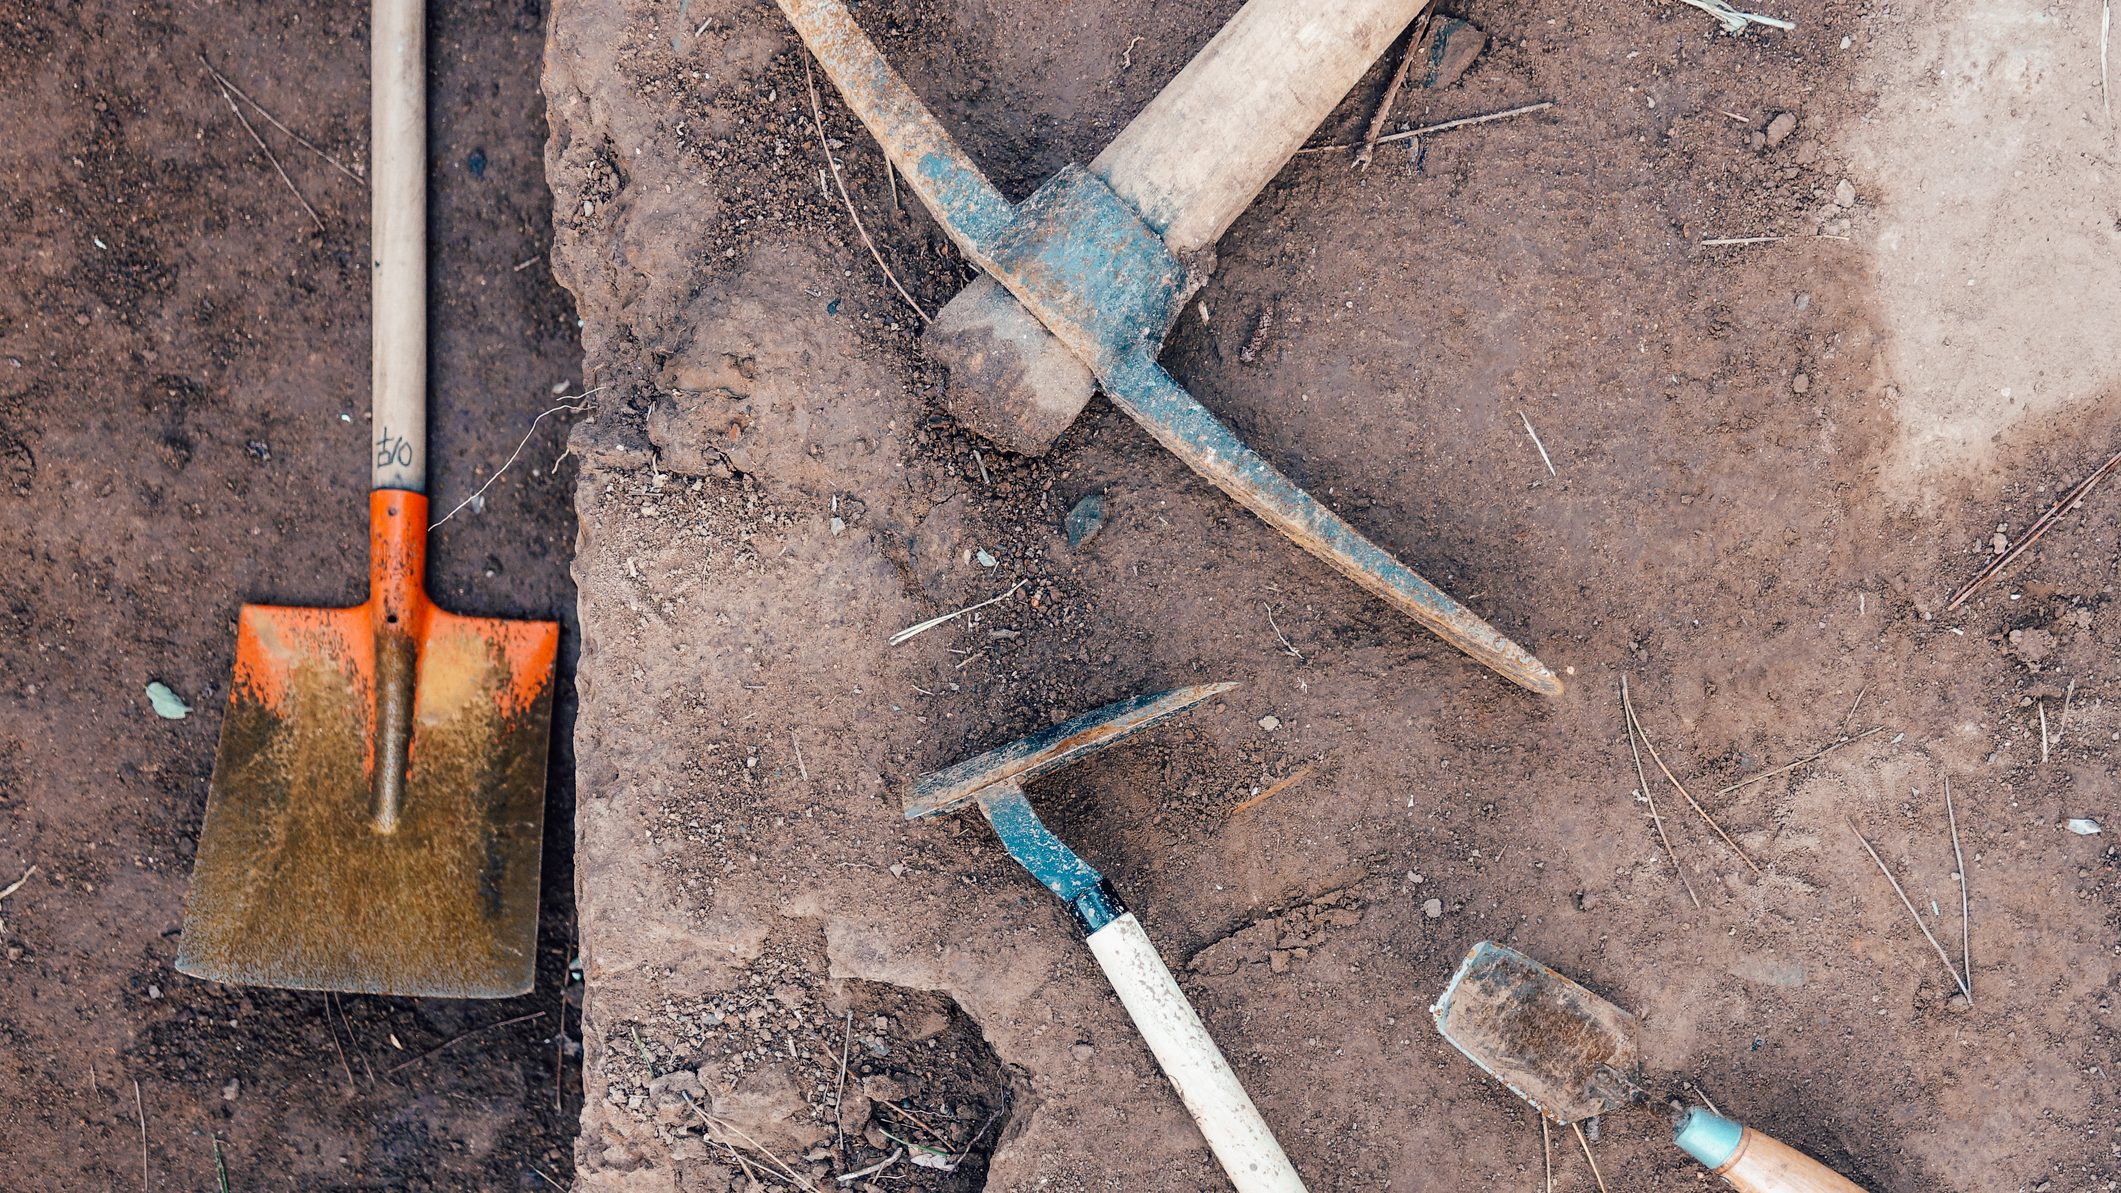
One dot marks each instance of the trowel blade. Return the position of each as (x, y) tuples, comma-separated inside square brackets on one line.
[(1568, 1052)]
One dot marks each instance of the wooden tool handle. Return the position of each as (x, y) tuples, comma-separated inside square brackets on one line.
[(1236, 1134), (397, 229), (1195, 158), (1765, 1164), (1753, 1162)]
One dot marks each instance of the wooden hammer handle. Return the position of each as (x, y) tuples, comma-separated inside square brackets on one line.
[(1195, 158)]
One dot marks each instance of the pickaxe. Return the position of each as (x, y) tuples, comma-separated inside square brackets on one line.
[(995, 780), (1087, 275)]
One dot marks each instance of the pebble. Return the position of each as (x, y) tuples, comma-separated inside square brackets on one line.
[(1800, 383), (167, 704), (1085, 520), (1082, 1051), (230, 1091), (2083, 826), (1957, 1002), (1270, 723), (1780, 128), (1845, 193), (1433, 908)]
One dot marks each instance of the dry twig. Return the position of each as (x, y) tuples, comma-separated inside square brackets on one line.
[(140, 1108), (469, 1035), (273, 120), (1966, 915), (1277, 787), (724, 1125), (1426, 129), (1593, 1160), (1916, 915), (913, 631), (1284, 638), (839, 1087), (345, 1068), (1627, 716), (1546, 1152), (1543, 456), (577, 406), (817, 121), (1651, 746), (292, 189), (1399, 79), (2069, 501), (1765, 775)]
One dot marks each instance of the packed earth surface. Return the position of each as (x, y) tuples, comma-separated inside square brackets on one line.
[(1711, 383), (1744, 479)]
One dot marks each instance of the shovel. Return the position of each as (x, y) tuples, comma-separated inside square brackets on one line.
[(378, 797), (1571, 1054)]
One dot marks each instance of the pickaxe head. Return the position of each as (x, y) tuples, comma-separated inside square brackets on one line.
[(1027, 758)]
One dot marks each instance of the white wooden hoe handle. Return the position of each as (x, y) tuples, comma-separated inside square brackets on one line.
[(1235, 1132), (397, 230)]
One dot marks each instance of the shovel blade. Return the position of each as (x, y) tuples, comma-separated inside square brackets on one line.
[(299, 882), (1568, 1052)]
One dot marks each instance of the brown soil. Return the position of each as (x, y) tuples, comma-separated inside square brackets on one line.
[(771, 489), (179, 347)]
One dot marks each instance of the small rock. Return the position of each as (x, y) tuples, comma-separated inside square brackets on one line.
[(1586, 901), (167, 704), (838, 525), (1433, 908), (1780, 128), (1957, 1003), (984, 559), (1082, 1051), (1270, 723), (1800, 383), (153, 992), (1085, 520), (1844, 193), (232, 1090), (2083, 826), (1451, 52)]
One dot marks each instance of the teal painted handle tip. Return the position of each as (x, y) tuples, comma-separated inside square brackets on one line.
[(1709, 1138)]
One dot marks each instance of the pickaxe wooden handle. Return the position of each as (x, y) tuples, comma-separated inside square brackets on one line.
[(1191, 163), (1105, 283)]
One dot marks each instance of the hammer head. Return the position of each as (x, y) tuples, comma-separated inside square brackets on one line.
[(1027, 758)]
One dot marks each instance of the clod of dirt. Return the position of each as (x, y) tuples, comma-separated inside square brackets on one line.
[(2031, 646), (1780, 128)]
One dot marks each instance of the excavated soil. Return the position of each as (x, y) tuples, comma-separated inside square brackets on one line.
[(1749, 515)]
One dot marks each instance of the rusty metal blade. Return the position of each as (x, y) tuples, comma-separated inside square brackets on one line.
[(384, 844), (1027, 758), (1568, 1052)]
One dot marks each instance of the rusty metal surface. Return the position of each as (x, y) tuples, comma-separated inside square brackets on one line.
[(1101, 280), (1568, 1052), (1026, 758), (333, 859)]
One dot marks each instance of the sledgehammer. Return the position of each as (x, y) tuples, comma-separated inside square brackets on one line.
[(1100, 261), (995, 780)]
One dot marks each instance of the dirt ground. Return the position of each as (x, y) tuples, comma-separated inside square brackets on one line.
[(183, 413), (1750, 514)]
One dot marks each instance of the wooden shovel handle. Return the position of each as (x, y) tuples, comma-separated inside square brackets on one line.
[(397, 134)]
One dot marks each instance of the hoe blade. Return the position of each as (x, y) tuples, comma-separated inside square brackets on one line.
[(1568, 1052), (341, 853)]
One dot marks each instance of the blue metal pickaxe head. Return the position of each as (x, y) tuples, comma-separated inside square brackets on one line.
[(996, 781)]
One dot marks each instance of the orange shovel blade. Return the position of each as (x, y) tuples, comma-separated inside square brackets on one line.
[(332, 859)]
